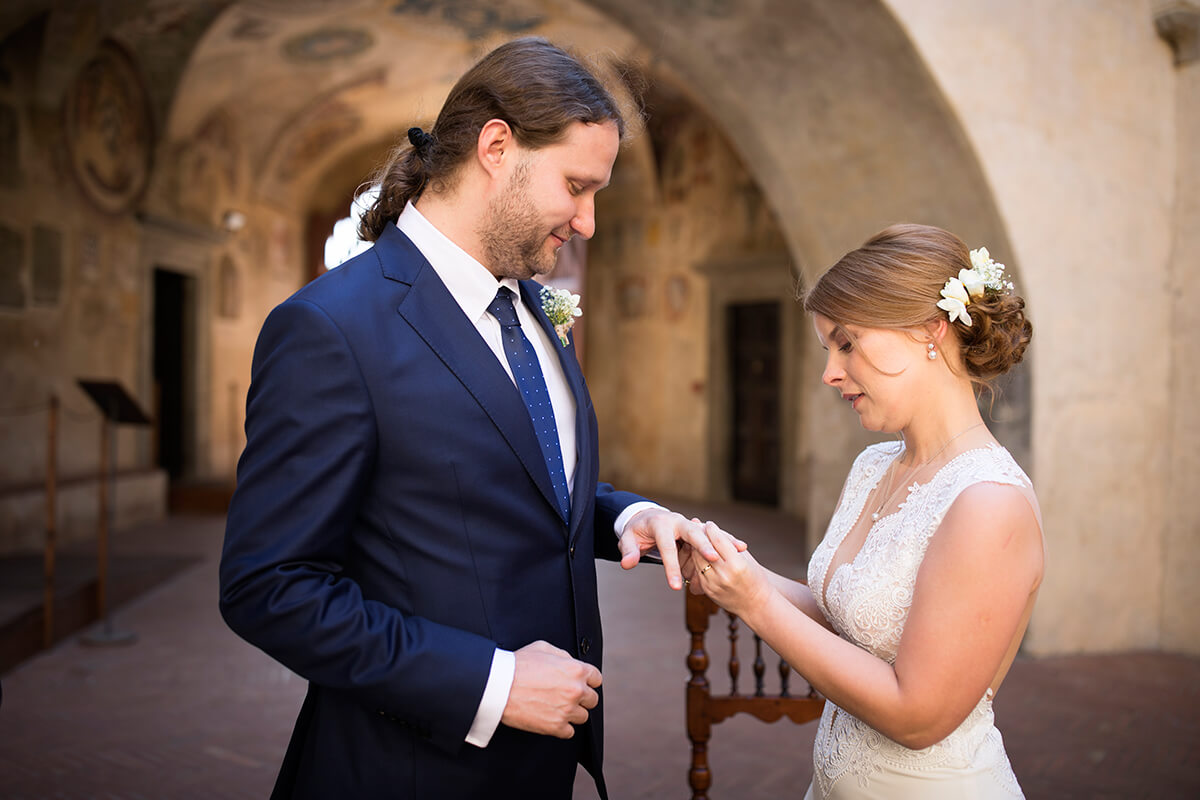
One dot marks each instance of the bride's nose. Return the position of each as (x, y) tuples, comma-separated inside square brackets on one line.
[(833, 373)]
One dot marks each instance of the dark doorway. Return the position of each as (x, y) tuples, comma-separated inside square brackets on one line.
[(173, 293), (754, 349)]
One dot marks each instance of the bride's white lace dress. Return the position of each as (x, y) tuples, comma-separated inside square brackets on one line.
[(867, 600)]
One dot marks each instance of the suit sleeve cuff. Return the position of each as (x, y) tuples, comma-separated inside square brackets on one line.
[(495, 698)]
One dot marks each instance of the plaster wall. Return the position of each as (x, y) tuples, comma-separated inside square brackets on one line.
[(1071, 109), (267, 260), (138, 498)]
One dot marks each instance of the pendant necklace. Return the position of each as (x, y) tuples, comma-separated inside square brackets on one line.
[(887, 497)]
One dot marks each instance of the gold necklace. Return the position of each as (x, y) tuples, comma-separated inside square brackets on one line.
[(888, 493)]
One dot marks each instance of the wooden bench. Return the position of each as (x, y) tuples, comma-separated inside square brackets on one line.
[(705, 709)]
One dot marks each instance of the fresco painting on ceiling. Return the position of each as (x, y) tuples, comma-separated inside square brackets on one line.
[(109, 130), (252, 29), (206, 170), (218, 137), (698, 8), (333, 122), (475, 19), (327, 44)]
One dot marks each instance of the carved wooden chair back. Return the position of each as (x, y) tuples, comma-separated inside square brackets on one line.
[(705, 709)]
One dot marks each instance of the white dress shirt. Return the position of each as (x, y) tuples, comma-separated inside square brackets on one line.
[(474, 287)]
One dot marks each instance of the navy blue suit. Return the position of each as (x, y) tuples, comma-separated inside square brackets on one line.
[(394, 522)]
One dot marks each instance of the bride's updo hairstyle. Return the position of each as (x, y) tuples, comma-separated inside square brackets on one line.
[(896, 280)]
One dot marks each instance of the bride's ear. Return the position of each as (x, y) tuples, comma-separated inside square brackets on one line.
[(935, 333)]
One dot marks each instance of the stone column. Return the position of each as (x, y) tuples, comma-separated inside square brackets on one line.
[(1179, 24)]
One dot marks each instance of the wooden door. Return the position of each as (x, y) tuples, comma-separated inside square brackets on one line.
[(754, 347)]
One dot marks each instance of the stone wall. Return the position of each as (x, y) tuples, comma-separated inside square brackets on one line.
[(73, 294), (1071, 109)]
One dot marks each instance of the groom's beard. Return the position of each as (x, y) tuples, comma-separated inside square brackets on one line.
[(514, 238)]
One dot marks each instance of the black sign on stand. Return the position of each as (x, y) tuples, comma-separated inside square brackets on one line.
[(116, 408)]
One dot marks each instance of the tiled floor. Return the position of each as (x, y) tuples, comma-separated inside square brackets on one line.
[(191, 711)]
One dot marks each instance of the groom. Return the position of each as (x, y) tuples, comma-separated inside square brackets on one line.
[(418, 510)]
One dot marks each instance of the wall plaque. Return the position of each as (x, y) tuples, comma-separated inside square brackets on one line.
[(47, 265), (12, 258), (109, 130)]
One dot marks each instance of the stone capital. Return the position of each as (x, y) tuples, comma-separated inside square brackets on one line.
[(1178, 23)]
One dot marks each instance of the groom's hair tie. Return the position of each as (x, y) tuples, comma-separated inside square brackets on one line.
[(420, 140)]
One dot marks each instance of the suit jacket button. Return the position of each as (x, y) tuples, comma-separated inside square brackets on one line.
[(572, 551), (585, 644)]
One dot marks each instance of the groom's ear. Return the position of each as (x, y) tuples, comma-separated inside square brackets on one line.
[(495, 148)]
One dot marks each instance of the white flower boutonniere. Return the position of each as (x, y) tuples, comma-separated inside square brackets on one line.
[(562, 308)]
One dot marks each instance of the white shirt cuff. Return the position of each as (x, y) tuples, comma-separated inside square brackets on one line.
[(630, 511), (495, 698)]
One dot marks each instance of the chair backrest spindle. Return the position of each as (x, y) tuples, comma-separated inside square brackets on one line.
[(705, 709)]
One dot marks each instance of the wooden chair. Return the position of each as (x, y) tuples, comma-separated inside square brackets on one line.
[(705, 709)]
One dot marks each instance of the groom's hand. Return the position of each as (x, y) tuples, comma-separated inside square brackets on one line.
[(661, 529), (550, 691)]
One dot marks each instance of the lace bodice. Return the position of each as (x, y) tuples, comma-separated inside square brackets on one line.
[(867, 600)]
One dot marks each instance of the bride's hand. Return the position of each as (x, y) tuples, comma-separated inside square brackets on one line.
[(736, 581), (690, 564)]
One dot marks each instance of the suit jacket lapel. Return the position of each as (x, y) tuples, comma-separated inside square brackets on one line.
[(570, 366), (432, 312)]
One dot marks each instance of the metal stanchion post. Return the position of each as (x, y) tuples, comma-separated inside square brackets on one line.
[(108, 506), (116, 406)]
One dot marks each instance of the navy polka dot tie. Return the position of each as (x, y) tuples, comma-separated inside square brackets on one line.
[(528, 374)]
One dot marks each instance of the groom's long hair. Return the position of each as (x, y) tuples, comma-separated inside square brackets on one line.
[(534, 86)]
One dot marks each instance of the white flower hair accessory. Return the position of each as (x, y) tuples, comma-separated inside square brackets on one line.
[(985, 277), (562, 308)]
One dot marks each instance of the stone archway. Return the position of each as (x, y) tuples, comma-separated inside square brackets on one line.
[(838, 121)]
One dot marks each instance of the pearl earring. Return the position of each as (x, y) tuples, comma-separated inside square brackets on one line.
[(932, 352)]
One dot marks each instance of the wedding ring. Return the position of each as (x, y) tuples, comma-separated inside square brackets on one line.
[(707, 567)]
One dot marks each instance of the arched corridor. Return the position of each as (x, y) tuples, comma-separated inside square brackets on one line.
[(170, 171)]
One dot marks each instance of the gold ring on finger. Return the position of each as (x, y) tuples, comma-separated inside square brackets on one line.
[(707, 567)]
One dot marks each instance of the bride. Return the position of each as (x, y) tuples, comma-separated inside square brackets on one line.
[(917, 598)]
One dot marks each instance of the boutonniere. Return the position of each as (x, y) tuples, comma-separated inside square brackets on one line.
[(562, 308)]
